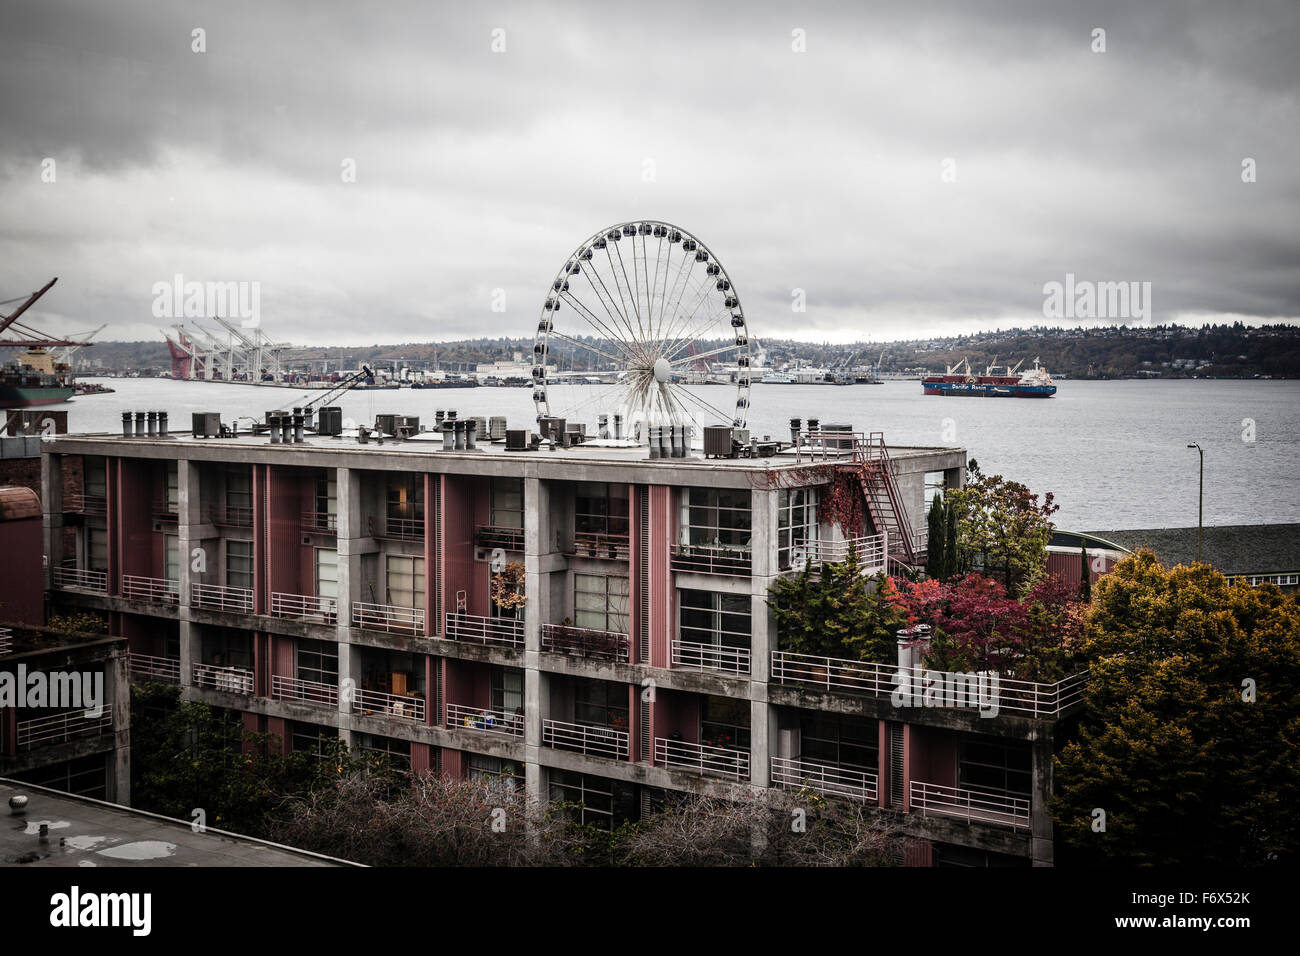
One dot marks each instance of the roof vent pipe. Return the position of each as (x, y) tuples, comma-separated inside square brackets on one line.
[(675, 440), (471, 428), (602, 426), (274, 421), (151, 423), (438, 416), (460, 434), (128, 425), (448, 435), (618, 426), (795, 425), (162, 424), (139, 425), (297, 428), (654, 440)]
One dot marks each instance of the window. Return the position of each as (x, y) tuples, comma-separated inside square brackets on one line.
[(95, 477), (709, 617), (716, 517), (222, 648), (496, 773), (994, 766), (239, 564), (381, 750), (327, 501), (507, 503), (594, 796), (508, 690), (171, 557), (320, 742), (934, 487), (724, 722), (318, 661), (840, 740), (405, 580), (406, 507), (600, 602), (84, 776), (796, 524), (598, 703), (327, 573), (173, 487), (600, 508), (239, 495), (96, 549)]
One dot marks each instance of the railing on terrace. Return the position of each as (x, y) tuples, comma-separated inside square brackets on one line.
[(223, 597), (394, 526), (79, 579), (508, 539), (325, 522), (56, 728), (593, 545), (973, 806), (164, 509), (158, 590), (311, 691), (476, 629), (388, 617), (379, 703), (870, 551), (85, 504), (305, 607), (479, 718), (824, 778), (702, 758), (1029, 698), (710, 560), (713, 657), (6, 639), (586, 739), (234, 516), (233, 680), (585, 642), (149, 667)]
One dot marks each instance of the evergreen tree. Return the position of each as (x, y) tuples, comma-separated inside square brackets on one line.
[(1085, 576), (952, 564), (935, 559)]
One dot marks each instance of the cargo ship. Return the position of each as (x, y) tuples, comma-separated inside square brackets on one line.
[(35, 379), (1031, 383)]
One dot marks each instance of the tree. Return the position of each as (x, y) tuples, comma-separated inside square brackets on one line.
[(1191, 740), (951, 561), (936, 561), (833, 613), (1085, 575)]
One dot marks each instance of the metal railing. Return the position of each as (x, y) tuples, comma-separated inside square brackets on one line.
[(491, 536), (165, 510), (586, 642), (55, 728), (713, 657), (149, 667), (388, 617), (824, 778), (305, 607), (735, 562), (476, 629), (479, 718), (6, 639), (596, 545), (586, 739), (235, 516), (394, 526), (86, 504), (159, 590), (973, 806), (379, 703), (702, 758), (870, 551), (828, 672), (325, 522), (313, 692), (79, 579), (222, 597), (232, 680)]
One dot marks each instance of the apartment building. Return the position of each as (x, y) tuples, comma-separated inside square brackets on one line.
[(585, 623)]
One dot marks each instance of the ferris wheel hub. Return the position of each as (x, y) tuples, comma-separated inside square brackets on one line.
[(663, 371)]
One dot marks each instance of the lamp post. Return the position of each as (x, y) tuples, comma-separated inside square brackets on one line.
[(1200, 503)]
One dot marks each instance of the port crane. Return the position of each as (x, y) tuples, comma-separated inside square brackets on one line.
[(38, 339)]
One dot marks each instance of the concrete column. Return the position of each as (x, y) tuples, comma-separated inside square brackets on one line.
[(1040, 820), (52, 515), (760, 743), (537, 542), (117, 690), (191, 651), (764, 570), (188, 518), (349, 683), (349, 531)]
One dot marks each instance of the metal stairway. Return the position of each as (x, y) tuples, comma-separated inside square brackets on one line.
[(884, 502)]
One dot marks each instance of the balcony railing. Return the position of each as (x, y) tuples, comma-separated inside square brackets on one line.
[(475, 629), (586, 739), (85, 504), (869, 550), (6, 639), (304, 607), (157, 590), (585, 642), (711, 657), (395, 526), (973, 806), (702, 758), (222, 597), (313, 692), (709, 560), (164, 510), (79, 579), (149, 667), (325, 522), (377, 703), (233, 680), (233, 516), (1018, 696), (478, 718), (388, 617), (593, 545), (56, 728), (824, 778), (508, 539)]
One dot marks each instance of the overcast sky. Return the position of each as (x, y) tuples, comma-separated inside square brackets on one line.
[(476, 170)]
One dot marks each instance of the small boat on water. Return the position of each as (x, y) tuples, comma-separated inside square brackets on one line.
[(959, 381)]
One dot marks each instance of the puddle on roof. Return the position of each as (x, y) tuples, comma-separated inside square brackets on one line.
[(84, 842), (34, 826), (140, 850)]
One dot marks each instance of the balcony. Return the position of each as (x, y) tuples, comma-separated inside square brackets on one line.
[(164, 509), (491, 721), (870, 552), (57, 728), (320, 522), (586, 642), (146, 667), (85, 504), (396, 527), (973, 806), (388, 617), (702, 559), (6, 640), (79, 579), (702, 758), (374, 703), (613, 547), (232, 516), (593, 741), (507, 539), (304, 607), (475, 629), (313, 692), (711, 657), (153, 590), (832, 672), (232, 680), (221, 597), (824, 778)]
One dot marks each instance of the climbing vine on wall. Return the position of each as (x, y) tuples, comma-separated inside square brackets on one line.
[(841, 501)]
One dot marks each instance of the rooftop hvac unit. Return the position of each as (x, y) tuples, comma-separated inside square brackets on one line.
[(518, 439), (718, 441), (330, 421), (387, 424), (206, 425), (408, 425), (552, 427), (837, 443)]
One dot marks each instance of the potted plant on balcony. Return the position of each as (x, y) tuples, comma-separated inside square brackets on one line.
[(508, 587)]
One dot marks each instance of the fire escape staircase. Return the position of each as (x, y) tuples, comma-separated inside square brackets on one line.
[(885, 504)]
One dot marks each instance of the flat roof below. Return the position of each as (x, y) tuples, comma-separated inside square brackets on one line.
[(1232, 549)]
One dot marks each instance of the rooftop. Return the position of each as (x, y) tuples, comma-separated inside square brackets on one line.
[(1232, 549), (87, 832)]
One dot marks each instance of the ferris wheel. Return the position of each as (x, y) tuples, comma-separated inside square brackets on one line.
[(642, 321)]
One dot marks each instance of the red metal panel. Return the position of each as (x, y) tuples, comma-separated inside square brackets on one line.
[(259, 539), (431, 626), (420, 758), (918, 853), (132, 512), (22, 598), (453, 763), (284, 569), (663, 529)]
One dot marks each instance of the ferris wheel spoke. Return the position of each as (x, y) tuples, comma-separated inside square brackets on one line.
[(614, 270), (695, 331), (595, 320), (578, 343), (636, 306), (683, 393), (611, 308), (699, 296), (685, 282), (599, 394), (701, 355), (657, 329)]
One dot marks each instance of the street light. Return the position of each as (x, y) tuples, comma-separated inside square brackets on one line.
[(1200, 505)]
